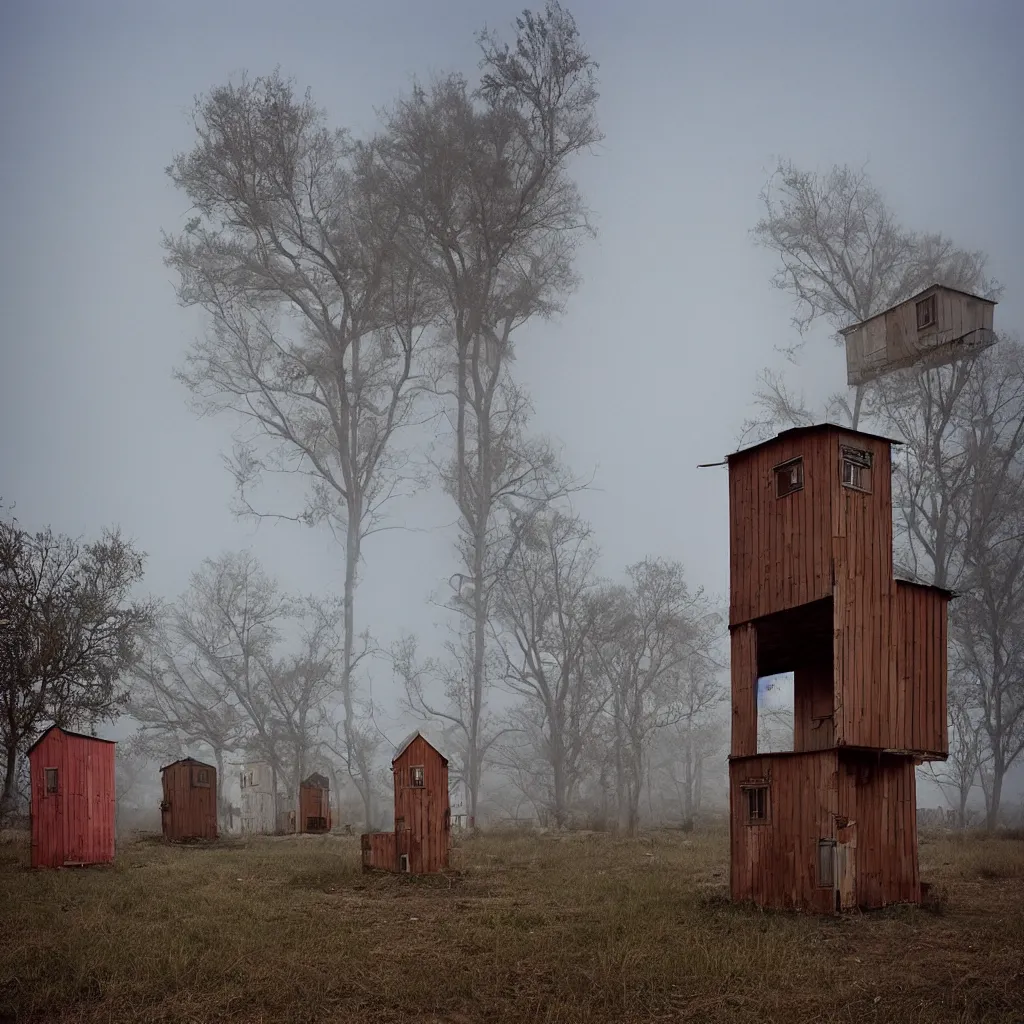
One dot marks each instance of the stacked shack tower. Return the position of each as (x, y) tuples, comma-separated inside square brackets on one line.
[(831, 824)]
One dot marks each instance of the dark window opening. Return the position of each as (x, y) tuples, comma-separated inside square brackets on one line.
[(757, 803), (856, 469), (51, 780), (416, 776), (826, 863), (315, 824), (789, 477), (926, 313), (795, 687), (200, 777), (403, 862)]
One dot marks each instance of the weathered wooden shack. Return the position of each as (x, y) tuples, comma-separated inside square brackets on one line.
[(189, 806), (72, 799), (832, 823), (315, 804), (933, 328), (258, 798), (420, 842)]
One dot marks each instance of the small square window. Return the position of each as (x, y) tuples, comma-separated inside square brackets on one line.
[(789, 477), (200, 777), (856, 469), (416, 776), (926, 313), (757, 804), (51, 780)]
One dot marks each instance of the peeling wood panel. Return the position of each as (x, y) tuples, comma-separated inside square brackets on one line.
[(813, 708), (75, 825), (379, 851), (921, 626), (189, 809)]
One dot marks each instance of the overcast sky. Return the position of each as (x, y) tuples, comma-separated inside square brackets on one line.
[(648, 374)]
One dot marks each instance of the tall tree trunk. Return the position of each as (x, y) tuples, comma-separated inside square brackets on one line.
[(479, 648), (218, 757), (996, 793), (358, 769), (9, 799)]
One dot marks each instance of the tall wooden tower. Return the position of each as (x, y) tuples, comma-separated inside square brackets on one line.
[(830, 824)]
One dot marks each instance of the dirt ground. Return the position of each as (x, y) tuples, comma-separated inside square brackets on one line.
[(575, 928)]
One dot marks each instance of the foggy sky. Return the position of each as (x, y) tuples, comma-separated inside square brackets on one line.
[(651, 370)]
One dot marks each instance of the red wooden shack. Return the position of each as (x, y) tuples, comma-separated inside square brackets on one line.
[(189, 806), (421, 840), (315, 804), (832, 823), (73, 799)]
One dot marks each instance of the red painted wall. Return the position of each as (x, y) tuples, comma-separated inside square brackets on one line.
[(75, 825)]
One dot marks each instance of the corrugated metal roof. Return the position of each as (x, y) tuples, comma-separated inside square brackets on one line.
[(811, 429)]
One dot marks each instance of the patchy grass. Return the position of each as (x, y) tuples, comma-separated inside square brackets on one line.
[(570, 929)]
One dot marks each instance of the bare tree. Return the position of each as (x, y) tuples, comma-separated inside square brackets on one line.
[(230, 620), (961, 771), (844, 256), (544, 621), (299, 684), (494, 220), (315, 315), (657, 649), (175, 697), (68, 635)]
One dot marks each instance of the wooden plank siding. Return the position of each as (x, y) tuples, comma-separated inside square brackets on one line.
[(864, 802), (743, 667), (76, 824), (422, 832), (189, 807), (779, 547), (774, 864), (864, 656), (424, 810), (315, 806), (921, 629)]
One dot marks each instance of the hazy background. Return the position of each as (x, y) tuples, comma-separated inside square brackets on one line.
[(652, 369)]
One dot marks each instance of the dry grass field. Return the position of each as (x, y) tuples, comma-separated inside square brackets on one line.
[(569, 929)]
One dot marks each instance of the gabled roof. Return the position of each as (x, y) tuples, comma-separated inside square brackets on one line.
[(187, 760), (915, 298), (67, 732), (317, 780), (813, 428), (403, 746)]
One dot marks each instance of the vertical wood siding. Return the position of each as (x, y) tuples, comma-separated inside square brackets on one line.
[(425, 810), (919, 711), (191, 810), (743, 669), (865, 657), (76, 824), (779, 547), (775, 864), (863, 801), (314, 802)]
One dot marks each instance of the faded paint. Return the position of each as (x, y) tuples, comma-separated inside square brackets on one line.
[(73, 817), (315, 804)]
